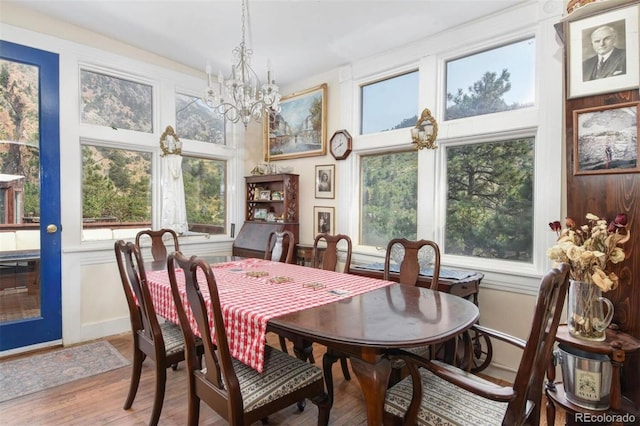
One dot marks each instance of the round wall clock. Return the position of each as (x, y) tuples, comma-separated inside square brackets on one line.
[(340, 144)]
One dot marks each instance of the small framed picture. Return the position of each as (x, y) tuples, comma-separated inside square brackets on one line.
[(276, 195), (606, 139), (264, 194), (603, 53), (325, 185), (260, 214), (323, 220)]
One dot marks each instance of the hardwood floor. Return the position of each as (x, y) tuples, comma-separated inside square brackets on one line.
[(98, 400)]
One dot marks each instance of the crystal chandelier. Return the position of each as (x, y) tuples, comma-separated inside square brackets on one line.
[(241, 97)]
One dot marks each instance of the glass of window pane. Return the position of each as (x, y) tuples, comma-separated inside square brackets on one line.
[(116, 191), (390, 104), (196, 121), (495, 80), (116, 102), (490, 200), (389, 184), (205, 197)]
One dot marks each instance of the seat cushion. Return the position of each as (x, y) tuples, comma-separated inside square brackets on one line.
[(422, 351), (282, 374), (445, 404), (173, 339)]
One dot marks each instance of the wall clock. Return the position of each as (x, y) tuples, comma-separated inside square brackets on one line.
[(340, 144)]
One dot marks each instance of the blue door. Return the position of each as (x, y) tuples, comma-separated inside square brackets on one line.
[(30, 274)]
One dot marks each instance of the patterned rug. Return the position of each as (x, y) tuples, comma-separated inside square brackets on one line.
[(38, 372)]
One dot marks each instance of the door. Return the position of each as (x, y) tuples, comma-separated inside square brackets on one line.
[(30, 302)]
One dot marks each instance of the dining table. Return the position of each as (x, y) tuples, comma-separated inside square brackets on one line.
[(357, 315)]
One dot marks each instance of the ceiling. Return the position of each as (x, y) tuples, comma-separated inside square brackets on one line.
[(298, 38)]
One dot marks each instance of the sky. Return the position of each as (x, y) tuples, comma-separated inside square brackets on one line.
[(397, 98)]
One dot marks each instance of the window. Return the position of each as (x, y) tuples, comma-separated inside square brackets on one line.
[(116, 102), (205, 199), (495, 80), (389, 104), (116, 190), (389, 191), (196, 121), (490, 201)]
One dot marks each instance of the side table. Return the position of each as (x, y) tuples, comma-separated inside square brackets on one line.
[(615, 346)]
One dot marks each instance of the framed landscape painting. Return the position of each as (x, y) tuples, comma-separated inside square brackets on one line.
[(300, 128)]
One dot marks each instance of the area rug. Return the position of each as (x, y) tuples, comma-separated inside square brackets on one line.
[(38, 372)]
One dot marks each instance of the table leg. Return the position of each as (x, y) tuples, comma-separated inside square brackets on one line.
[(373, 378)]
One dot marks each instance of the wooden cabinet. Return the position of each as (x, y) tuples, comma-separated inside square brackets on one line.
[(271, 204)]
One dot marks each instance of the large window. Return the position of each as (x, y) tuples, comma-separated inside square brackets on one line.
[(204, 188), (490, 200), (495, 80), (116, 102), (390, 104), (116, 188), (389, 191), (196, 121)]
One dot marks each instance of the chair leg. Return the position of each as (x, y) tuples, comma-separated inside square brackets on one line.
[(328, 360), (136, 371), (193, 415), (283, 344), (345, 367), (161, 380)]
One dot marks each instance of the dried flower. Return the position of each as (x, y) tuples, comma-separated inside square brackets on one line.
[(590, 248)]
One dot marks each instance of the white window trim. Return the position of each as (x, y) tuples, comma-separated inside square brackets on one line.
[(543, 121)]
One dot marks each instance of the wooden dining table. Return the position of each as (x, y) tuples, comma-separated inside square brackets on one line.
[(361, 316)]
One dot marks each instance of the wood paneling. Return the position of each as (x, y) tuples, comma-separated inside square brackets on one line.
[(606, 195)]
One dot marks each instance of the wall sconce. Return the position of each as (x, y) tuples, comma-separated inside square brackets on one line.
[(170, 142), (426, 130)]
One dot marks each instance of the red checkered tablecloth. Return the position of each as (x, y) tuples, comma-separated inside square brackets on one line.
[(248, 303)]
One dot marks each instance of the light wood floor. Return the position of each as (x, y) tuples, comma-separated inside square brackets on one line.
[(98, 400)]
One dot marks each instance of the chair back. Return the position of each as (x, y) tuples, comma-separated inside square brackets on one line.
[(410, 264), (144, 322), (529, 381), (280, 246), (223, 388), (329, 260), (158, 246)]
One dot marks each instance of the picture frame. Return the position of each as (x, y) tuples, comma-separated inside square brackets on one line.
[(260, 214), (264, 194), (300, 128), (325, 181), (323, 220), (606, 139), (620, 71)]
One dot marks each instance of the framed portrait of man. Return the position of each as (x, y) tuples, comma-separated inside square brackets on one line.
[(603, 53)]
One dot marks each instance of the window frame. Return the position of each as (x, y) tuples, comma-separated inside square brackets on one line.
[(534, 121)]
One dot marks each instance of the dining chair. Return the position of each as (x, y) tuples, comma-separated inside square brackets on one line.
[(240, 394), (408, 258), (446, 394), (158, 245), (328, 261), (161, 342), (280, 246)]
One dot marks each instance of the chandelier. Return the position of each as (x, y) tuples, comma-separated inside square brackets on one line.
[(241, 97)]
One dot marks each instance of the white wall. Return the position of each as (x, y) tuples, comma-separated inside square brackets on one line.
[(93, 304)]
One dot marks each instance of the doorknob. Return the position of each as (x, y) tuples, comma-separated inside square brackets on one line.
[(52, 229)]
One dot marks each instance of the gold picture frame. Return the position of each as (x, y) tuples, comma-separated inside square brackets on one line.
[(300, 128)]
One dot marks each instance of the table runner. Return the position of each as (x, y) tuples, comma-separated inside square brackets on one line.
[(249, 302)]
